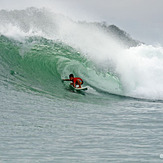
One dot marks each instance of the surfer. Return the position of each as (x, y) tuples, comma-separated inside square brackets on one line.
[(75, 81)]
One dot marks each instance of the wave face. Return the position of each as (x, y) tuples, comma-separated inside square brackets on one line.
[(39, 48)]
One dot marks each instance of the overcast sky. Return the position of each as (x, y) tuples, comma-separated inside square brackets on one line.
[(142, 19)]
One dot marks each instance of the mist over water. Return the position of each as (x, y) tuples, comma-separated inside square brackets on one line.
[(137, 69)]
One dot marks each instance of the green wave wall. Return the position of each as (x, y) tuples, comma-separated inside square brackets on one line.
[(38, 65)]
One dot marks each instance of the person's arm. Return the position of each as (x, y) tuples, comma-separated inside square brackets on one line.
[(74, 84), (65, 79)]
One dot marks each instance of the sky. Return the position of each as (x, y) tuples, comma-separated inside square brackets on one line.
[(142, 19)]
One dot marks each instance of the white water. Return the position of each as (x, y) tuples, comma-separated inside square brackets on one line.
[(139, 69)]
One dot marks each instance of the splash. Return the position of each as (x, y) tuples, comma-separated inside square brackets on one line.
[(100, 57)]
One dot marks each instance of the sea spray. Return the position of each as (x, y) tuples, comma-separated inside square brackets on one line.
[(141, 71), (85, 49)]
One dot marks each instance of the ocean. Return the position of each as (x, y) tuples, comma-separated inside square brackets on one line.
[(118, 119)]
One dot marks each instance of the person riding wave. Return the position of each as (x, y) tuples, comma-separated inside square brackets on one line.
[(75, 81)]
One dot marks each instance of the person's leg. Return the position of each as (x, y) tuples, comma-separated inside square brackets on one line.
[(79, 83)]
